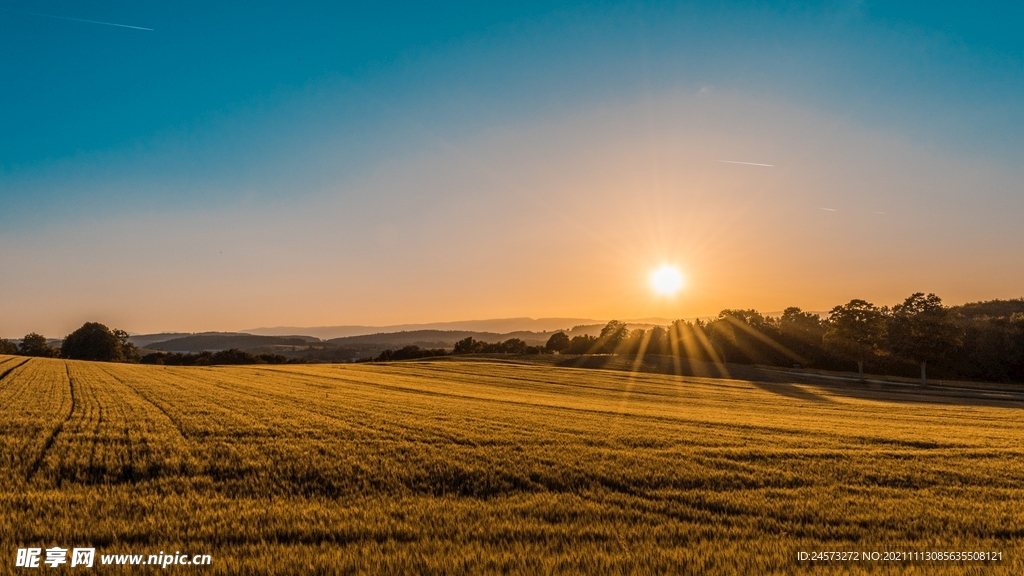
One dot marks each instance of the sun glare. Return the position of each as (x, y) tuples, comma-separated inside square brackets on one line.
[(666, 280)]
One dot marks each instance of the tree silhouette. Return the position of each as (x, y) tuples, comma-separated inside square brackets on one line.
[(128, 350), (922, 329), (35, 345), (657, 341), (558, 342), (94, 341), (802, 332), (613, 333), (8, 347), (856, 330), (466, 346), (514, 346), (582, 344)]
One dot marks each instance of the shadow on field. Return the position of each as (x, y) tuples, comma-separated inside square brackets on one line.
[(792, 391)]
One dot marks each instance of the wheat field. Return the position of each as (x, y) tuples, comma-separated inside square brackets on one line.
[(482, 467)]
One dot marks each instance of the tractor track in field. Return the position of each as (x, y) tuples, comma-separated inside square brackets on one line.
[(8, 371), (171, 419), (34, 468), (127, 469), (299, 405), (95, 441)]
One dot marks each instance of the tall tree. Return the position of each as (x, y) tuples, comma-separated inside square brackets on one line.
[(613, 333), (856, 330), (582, 344), (129, 352), (922, 329), (802, 332), (558, 342), (657, 341), (749, 337)]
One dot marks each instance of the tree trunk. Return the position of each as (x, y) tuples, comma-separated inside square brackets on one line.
[(924, 376), (860, 369)]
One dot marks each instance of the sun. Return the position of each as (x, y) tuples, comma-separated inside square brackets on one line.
[(667, 280)]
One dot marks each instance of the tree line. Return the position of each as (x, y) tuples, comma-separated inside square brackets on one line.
[(231, 356), (980, 341), (94, 341), (983, 341)]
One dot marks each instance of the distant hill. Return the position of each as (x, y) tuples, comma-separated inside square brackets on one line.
[(144, 340), (992, 308), (373, 342), (435, 338), (494, 326), (201, 342)]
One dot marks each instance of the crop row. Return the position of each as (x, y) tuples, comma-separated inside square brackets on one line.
[(452, 467)]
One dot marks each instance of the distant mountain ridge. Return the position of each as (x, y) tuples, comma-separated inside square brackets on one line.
[(496, 326), (437, 338), (436, 335), (214, 342), (364, 343)]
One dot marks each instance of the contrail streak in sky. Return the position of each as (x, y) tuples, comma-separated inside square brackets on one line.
[(747, 163), (829, 209), (77, 19)]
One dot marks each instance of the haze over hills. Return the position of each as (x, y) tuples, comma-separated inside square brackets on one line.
[(224, 341), (364, 344), (439, 338), (347, 348), (162, 338), (496, 326), (433, 335)]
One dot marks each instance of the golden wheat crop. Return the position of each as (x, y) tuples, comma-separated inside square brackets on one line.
[(488, 467)]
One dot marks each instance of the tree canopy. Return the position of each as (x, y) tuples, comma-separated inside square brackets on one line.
[(922, 329), (8, 347), (94, 341), (558, 342), (35, 345), (855, 330)]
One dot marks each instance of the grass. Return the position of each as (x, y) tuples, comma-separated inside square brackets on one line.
[(489, 467)]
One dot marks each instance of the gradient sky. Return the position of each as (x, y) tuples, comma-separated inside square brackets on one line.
[(246, 165)]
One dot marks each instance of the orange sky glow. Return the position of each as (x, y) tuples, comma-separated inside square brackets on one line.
[(561, 217)]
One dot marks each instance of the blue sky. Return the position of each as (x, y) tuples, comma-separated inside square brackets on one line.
[(240, 113)]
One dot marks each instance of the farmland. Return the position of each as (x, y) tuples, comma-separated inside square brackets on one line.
[(463, 467)]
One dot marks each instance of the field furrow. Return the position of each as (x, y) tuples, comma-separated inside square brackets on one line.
[(35, 406), (476, 467)]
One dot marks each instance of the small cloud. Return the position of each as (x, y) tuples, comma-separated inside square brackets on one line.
[(828, 209), (747, 163)]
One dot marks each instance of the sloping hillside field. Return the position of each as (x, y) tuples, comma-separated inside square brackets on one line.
[(488, 467)]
